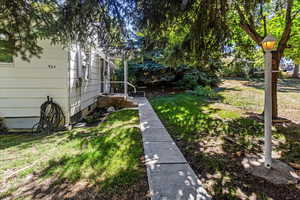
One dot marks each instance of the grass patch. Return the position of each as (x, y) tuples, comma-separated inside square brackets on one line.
[(192, 117), (228, 114), (249, 96), (106, 157), (238, 94)]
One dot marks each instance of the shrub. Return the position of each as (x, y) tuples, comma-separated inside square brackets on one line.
[(208, 78), (206, 91), (189, 80), (193, 77), (146, 73), (183, 77)]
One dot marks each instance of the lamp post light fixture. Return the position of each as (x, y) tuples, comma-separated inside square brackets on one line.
[(268, 45)]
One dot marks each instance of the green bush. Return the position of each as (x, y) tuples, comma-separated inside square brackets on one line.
[(146, 73), (193, 77), (206, 91), (208, 78), (152, 73), (189, 80)]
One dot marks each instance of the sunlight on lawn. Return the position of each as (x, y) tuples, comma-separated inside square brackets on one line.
[(193, 114), (107, 156)]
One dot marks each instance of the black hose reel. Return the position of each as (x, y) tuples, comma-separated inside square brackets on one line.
[(52, 118)]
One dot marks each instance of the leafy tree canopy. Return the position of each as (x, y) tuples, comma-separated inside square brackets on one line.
[(101, 23), (190, 31), (199, 29), (22, 23)]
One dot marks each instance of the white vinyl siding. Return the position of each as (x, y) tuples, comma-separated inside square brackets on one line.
[(58, 73), (84, 81), (24, 87), (6, 65)]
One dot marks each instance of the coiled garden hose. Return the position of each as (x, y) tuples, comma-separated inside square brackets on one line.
[(52, 118)]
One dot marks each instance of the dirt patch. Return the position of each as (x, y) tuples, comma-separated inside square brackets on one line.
[(218, 163)]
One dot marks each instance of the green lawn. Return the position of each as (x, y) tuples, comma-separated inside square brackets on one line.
[(100, 162), (216, 134), (249, 96)]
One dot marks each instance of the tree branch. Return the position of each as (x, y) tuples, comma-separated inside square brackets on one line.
[(287, 29), (247, 27), (263, 18)]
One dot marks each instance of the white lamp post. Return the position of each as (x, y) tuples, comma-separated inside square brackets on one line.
[(268, 45)]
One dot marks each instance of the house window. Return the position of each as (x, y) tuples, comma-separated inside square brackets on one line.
[(6, 56)]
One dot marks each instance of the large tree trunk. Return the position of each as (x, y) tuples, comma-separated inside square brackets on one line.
[(249, 28), (296, 71), (275, 67)]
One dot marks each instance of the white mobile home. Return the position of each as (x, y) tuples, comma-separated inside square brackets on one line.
[(72, 77)]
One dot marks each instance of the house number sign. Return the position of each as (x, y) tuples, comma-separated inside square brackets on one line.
[(51, 66)]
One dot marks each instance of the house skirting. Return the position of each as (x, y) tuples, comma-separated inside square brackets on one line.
[(21, 122)]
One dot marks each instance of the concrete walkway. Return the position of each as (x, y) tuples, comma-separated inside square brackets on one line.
[(169, 175)]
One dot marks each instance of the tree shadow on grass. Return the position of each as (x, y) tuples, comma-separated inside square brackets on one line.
[(221, 89), (107, 163), (97, 152), (99, 157), (26, 140), (186, 114), (221, 165), (215, 148), (21, 140), (284, 85), (58, 189), (291, 147)]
